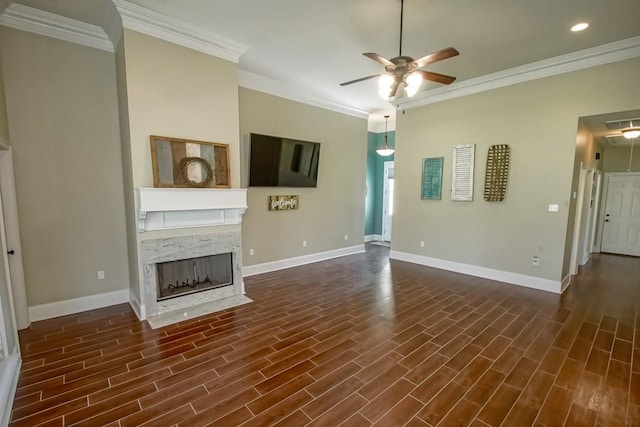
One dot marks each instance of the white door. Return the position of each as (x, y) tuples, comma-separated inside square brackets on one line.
[(621, 228), (387, 201)]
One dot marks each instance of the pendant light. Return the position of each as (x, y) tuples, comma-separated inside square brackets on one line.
[(386, 150)]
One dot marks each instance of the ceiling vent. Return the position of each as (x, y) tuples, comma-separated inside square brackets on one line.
[(617, 140), (621, 124)]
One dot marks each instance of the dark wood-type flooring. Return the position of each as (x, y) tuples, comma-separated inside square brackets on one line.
[(354, 341)]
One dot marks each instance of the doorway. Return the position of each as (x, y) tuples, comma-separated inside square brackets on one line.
[(621, 214), (387, 201)]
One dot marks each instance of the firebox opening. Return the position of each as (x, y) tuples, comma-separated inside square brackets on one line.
[(187, 276)]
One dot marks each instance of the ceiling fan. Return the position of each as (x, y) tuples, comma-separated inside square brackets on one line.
[(629, 132), (403, 72)]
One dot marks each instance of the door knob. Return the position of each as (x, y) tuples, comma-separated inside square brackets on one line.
[(11, 252)]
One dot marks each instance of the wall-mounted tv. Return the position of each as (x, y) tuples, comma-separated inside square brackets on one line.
[(283, 162)]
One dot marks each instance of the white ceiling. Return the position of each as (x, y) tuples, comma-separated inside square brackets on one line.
[(317, 44)]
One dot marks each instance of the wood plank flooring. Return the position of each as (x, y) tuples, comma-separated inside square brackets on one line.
[(354, 341)]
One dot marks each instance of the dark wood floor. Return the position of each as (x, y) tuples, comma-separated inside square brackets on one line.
[(355, 341)]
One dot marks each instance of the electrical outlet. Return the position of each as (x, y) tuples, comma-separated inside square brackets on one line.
[(422, 243), (101, 275), (346, 237), (251, 252), (536, 261), (553, 207), (304, 243)]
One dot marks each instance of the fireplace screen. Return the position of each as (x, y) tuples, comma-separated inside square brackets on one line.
[(185, 276)]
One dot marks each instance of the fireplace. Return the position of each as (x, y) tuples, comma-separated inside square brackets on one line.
[(189, 252), (187, 276)]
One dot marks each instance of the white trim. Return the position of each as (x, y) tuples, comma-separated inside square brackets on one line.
[(566, 281), (373, 238), (137, 308), (575, 61), (175, 31), (251, 270), (474, 270), (59, 27), (77, 305), (301, 94), (9, 373), (12, 229), (166, 208)]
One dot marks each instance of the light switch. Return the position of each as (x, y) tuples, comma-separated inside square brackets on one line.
[(553, 208)]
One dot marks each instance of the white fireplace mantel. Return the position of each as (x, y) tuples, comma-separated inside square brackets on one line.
[(168, 208)]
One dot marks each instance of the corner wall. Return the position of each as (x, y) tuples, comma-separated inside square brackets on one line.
[(326, 213), (4, 123), (63, 125)]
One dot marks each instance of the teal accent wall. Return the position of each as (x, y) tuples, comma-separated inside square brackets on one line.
[(375, 182)]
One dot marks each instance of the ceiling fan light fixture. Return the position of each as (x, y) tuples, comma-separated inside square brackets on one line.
[(385, 84), (414, 80), (632, 132)]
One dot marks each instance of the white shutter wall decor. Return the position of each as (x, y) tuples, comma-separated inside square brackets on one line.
[(462, 179)]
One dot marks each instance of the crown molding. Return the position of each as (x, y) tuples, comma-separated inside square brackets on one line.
[(575, 61), (301, 94), (47, 24), (378, 127), (175, 31)]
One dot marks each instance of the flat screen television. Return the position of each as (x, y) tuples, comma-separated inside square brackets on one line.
[(283, 162)]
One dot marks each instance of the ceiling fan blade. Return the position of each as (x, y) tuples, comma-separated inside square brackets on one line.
[(378, 58), (437, 77), (359, 80), (395, 88), (436, 56)]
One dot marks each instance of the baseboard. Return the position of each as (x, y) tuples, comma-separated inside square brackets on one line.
[(373, 238), (566, 281), (9, 373), (137, 308), (76, 305), (266, 267), (484, 272)]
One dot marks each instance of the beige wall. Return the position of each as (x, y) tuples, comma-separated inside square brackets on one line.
[(617, 159), (178, 92), (539, 121), (62, 110), (326, 213), (4, 124), (127, 173)]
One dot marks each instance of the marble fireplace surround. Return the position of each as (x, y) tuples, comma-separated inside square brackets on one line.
[(169, 209), (177, 248)]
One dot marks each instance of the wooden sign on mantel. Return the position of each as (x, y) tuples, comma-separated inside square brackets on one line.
[(283, 203)]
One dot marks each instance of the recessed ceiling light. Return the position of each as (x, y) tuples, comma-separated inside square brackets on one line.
[(579, 27)]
